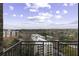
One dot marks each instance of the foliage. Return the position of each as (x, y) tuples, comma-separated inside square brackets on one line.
[(44, 33), (67, 37), (9, 42), (69, 51)]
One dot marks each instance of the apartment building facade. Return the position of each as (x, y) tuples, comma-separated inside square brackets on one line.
[(10, 34)]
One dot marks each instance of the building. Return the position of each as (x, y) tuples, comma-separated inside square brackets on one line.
[(9, 34), (47, 46)]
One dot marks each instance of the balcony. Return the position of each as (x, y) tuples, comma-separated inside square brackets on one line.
[(42, 48)]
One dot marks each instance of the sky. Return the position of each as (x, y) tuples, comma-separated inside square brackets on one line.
[(40, 15)]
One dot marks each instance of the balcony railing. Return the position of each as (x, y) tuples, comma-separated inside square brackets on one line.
[(43, 48)]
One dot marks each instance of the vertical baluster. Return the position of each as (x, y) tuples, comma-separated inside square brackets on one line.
[(55, 48), (20, 48), (76, 50), (15, 50), (51, 53), (10, 53), (63, 49), (68, 51), (58, 47), (25, 49), (48, 49), (69, 47), (72, 48), (31, 53), (33, 50), (28, 49), (43, 48), (38, 49)]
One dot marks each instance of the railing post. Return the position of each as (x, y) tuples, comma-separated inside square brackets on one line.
[(29, 49), (43, 48), (20, 48), (58, 47), (1, 53)]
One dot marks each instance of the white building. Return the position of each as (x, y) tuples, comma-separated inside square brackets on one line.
[(48, 46), (10, 33)]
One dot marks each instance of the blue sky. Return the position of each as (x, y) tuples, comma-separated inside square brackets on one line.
[(40, 16)]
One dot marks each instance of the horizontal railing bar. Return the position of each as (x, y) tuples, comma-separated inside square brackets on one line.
[(32, 44), (59, 44), (68, 43), (49, 41)]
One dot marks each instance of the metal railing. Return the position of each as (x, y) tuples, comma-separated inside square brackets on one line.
[(13, 50), (43, 48)]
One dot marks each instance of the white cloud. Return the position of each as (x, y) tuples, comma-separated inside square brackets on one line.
[(44, 17), (21, 15), (14, 15), (57, 12), (65, 4), (49, 21), (69, 4), (65, 11), (42, 20), (43, 5), (37, 5), (11, 7), (37, 18), (41, 17), (28, 4), (30, 17), (46, 14), (72, 4), (58, 16), (33, 10)]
